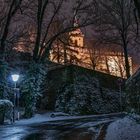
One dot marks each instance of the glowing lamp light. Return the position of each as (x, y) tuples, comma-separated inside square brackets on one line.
[(15, 77)]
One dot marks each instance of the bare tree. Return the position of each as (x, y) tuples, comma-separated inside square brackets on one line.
[(116, 25), (94, 55), (115, 64), (9, 31), (47, 12), (10, 9)]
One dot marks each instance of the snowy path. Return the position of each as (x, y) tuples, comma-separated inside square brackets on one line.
[(42, 127), (43, 118)]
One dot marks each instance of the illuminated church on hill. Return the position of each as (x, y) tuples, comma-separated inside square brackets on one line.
[(74, 48), (77, 52)]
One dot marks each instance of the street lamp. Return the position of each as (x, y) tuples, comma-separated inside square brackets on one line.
[(120, 83), (15, 78)]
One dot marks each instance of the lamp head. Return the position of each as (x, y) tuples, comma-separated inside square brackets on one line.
[(15, 77)]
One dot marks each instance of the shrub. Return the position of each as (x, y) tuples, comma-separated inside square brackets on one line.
[(6, 110)]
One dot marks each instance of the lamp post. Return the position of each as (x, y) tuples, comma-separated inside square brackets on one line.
[(15, 78), (120, 83)]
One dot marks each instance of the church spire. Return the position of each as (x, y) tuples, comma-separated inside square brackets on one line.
[(75, 20)]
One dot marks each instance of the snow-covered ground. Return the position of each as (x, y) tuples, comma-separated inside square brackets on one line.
[(46, 127), (40, 118), (124, 129)]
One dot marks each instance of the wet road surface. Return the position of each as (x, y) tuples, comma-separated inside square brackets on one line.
[(72, 129)]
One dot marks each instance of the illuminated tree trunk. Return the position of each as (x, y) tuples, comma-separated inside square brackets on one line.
[(65, 55), (127, 66)]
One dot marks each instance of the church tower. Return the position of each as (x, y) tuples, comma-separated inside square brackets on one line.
[(76, 36)]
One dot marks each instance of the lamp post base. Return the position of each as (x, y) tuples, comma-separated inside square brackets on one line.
[(18, 115)]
